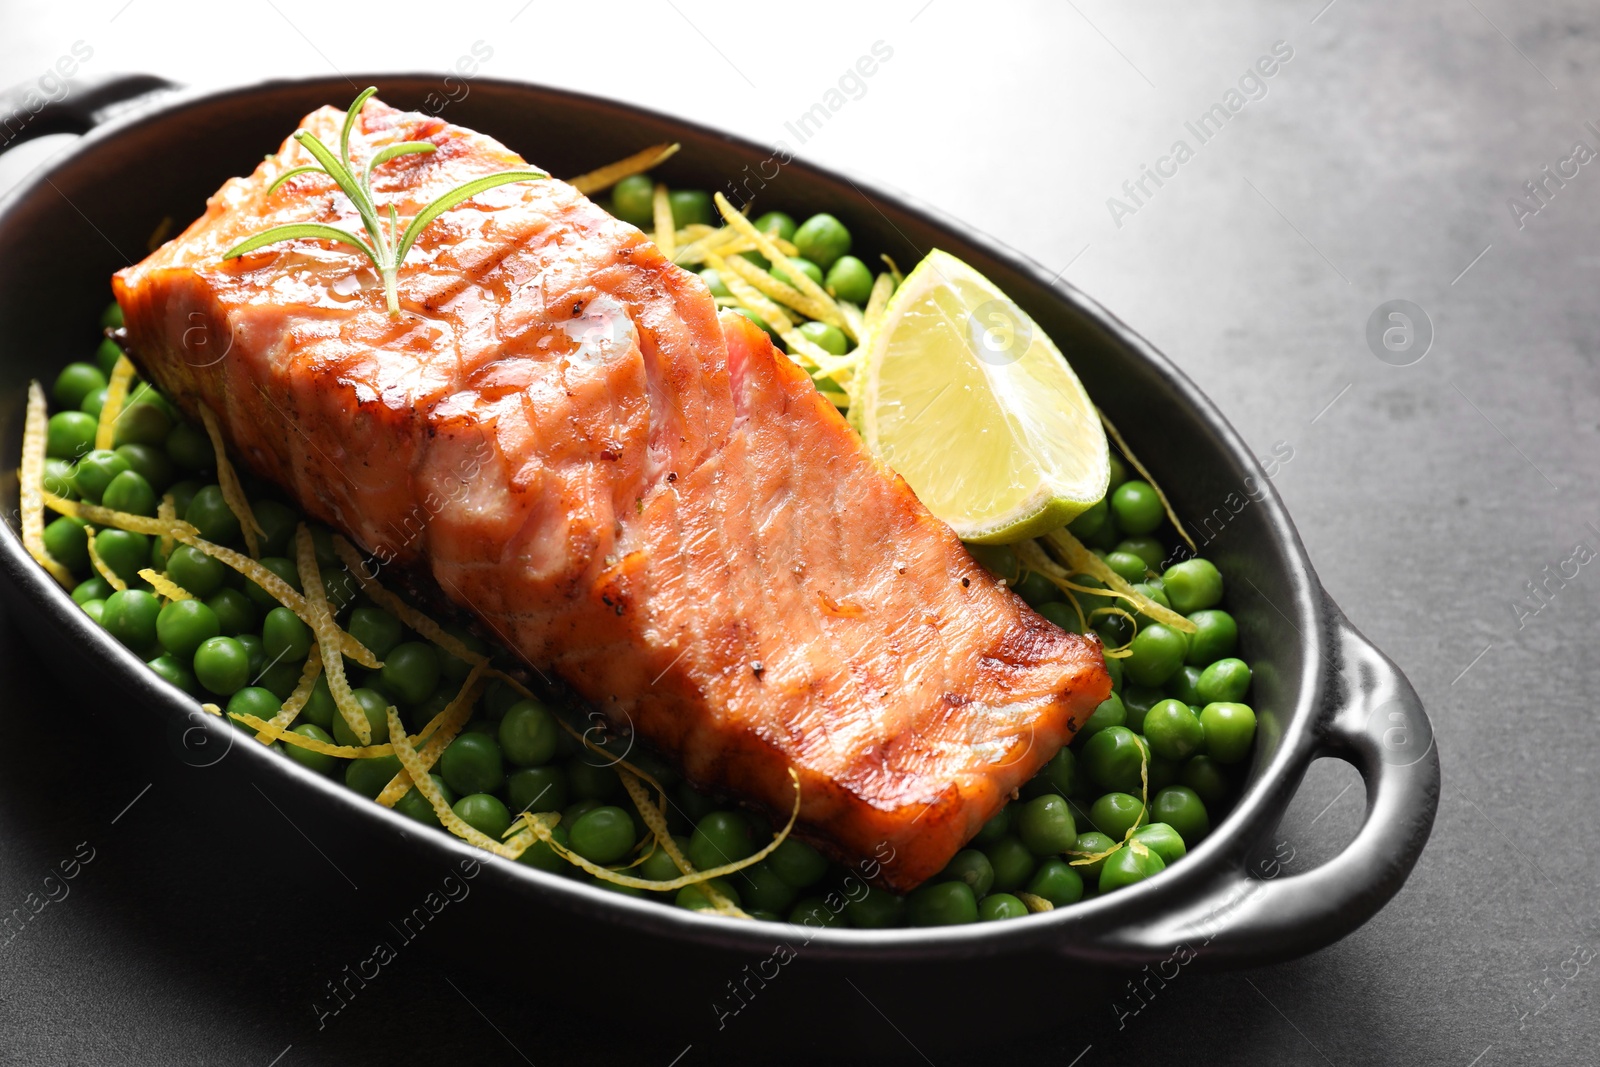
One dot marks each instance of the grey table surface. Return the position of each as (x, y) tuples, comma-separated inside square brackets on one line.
[(1384, 159)]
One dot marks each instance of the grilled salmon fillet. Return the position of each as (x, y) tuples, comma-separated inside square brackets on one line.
[(631, 492)]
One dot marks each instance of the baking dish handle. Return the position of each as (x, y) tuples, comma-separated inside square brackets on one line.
[(1260, 914), (36, 108)]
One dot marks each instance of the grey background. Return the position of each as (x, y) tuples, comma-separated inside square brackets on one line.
[(1377, 166)]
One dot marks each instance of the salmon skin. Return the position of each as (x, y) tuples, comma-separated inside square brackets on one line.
[(626, 489)]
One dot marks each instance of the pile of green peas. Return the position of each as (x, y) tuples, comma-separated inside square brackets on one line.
[(822, 241), (1175, 729)]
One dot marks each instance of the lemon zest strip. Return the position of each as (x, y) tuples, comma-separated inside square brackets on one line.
[(116, 396), (1144, 472), (35, 434), (327, 632), (232, 491), (602, 178)]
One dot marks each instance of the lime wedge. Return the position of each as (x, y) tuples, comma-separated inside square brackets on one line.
[(977, 410)]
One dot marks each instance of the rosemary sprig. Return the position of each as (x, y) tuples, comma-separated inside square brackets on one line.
[(385, 246)]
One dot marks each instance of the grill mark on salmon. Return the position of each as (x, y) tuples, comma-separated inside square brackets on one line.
[(633, 492)]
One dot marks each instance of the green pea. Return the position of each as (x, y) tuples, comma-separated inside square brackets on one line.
[(111, 317), (1058, 882), (141, 424), (1000, 906), (1114, 814), (222, 665), (471, 764), (805, 266), (1230, 730), (591, 780), (1216, 636), (375, 708), (721, 837), (253, 700), (633, 200), (94, 403), (452, 667), (760, 887), (1225, 681), (1138, 700), (376, 629), (1114, 629), (1163, 840), (822, 239), (942, 904), (69, 434), (1091, 843), (1114, 759), (67, 541), (284, 568), (695, 898), (1129, 568), (529, 734), (876, 909), (190, 449), (689, 207), (1036, 589), (1114, 669), (1129, 864), (95, 471), (1137, 507), (1088, 523), (997, 827), (1173, 731), (280, 678), (76, 381), (1184, 685), (369, 776), (487, 814), (1149, 549), (182, 494), (174, 671), (1063, 615), (537, 789), (1208, 780), (107, 356), (659, 866), (184, 625), (236, 614), (150, 463), (536, 855), (776, 224), (604, 835), (130, 617), (1108, 713), (319, 762), (416, 806), (1181, 808), (1152, 592), (1058, 777), (1105, 539), (830, 339), (410, 671), (210, 514), (278, 521), (255, 652), (1193, 585), (1155, 655), (95, 588), (58, 475), (972, 868), (1012, 862), (849, 279), (1046, 827), (130, 492), (286, 638), (1162, 772)]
